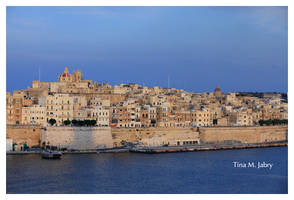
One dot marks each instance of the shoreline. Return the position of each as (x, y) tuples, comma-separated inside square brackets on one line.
[(212, 147), (166, 149)]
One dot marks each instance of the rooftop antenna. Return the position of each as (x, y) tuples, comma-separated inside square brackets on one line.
[(168, 81), (39, 74)]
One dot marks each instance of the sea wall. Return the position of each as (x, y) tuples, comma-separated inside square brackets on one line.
[(78, 137), (106, 137), (23, 134), (187, 136), (256, 134), (155, 136)]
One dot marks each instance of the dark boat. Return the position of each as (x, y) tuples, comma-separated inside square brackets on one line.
[(51, 155)]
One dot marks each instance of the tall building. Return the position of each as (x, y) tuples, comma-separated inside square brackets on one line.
[(14, 105), (218, 92)]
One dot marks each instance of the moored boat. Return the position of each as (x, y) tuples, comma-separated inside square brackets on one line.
[(51, 155)]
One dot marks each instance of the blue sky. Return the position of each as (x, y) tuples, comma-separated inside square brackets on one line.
[(239, 48)]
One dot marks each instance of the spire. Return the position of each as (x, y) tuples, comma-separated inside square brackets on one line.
[(65, 70)]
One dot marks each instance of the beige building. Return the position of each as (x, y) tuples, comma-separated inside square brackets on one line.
[(98, 101), (67, 83), (120, 89), (224, 121), (201, 118), (241, 118), (100, 114), (14, 105), (163, 114), (59, 107), (34, 115)]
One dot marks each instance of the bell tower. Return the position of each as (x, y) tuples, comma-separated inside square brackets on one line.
[(77, 76)]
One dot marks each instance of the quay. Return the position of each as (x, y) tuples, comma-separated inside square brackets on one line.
[(205, 147), (164, 149), (86, 151)]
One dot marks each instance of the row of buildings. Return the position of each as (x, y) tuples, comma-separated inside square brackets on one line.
[(132, 105)]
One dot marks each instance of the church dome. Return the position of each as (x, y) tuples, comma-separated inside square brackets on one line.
[(65, 76), (217, 89)]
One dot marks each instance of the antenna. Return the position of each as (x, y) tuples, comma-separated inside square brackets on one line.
[(39, 74), (168, 82)]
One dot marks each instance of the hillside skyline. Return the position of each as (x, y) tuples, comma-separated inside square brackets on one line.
[(239, 48), (143, 85)]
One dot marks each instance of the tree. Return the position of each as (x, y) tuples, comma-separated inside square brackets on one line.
[(81, 123), (261, 122), (74, 122), (268, 122), (52, 121), (67, 122), (87, 122), (93, 122), (276, 122)]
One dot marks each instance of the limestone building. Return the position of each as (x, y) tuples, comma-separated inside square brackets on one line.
[(34, 115), (14, 105)]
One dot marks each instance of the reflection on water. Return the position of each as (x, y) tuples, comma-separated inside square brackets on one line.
[(190, 172)]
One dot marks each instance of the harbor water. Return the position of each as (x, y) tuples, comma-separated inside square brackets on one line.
[(203, 172)]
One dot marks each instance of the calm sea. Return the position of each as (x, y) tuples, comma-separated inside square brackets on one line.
[(190, 172)]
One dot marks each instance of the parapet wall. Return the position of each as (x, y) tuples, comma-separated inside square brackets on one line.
[(78, 137), (23, 134), (256, 134)]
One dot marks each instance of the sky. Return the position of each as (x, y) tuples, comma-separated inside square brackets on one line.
[(239, 48)]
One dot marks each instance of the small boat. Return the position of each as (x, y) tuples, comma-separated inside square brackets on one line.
[(51, 155)]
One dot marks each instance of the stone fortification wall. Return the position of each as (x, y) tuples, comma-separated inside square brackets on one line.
[(78, 137), (243, 134), (23, 134), (154, 136), (101, 137)]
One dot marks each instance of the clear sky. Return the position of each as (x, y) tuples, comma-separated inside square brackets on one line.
[(239, 48)]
